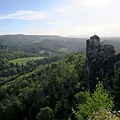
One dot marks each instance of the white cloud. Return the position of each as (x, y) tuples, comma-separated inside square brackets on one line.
[(77, 6), (63, 9), (75, 17), (54, 23), (26, 15)]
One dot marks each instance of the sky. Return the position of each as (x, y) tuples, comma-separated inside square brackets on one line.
[(60, 17)]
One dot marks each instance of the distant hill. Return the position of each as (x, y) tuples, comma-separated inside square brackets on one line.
[(115, 41), (51, 43), (18, 38), (35, 43)]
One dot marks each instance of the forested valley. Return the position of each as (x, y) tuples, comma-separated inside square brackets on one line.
[(54, 87)]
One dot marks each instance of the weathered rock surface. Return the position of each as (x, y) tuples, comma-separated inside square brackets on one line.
[(100, 60)]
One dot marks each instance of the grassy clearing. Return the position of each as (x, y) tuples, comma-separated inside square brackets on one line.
[(24, 60), (63, 50)]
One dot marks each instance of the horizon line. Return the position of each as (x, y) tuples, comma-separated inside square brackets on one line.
[(68, 36)]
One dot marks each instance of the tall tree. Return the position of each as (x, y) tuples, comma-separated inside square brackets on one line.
[(45, 113)]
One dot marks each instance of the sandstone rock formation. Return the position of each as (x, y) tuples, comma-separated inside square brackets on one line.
[(100, 60), (3, 47)]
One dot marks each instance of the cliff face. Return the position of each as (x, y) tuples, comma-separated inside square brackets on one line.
[(100, 60)]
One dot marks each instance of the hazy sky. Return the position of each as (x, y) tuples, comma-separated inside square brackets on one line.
[(60, 17)]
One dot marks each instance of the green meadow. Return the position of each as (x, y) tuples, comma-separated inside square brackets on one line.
[(24, 60)]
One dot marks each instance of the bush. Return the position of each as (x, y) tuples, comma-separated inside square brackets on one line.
[(98, 100)]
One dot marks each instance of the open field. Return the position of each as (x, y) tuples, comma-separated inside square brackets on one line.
[(24, 60)]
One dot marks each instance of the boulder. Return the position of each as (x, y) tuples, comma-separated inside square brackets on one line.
[(109, 50)]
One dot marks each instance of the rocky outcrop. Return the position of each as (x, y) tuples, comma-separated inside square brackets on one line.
[(3, 47), (100, 60), (117, 64)]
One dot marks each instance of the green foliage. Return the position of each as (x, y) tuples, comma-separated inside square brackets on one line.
[(80, 98), (9, 69), (24, 60), (51, 45), (45, 113), (104, 114), (62, 109), (116, 89), (10, 55), (52, 82), (55, 82), (94, 102)]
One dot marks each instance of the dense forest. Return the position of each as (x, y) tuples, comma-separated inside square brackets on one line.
[(53, 88), (42, 44)]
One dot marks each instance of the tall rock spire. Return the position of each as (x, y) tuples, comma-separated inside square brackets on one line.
[(98, 60)]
